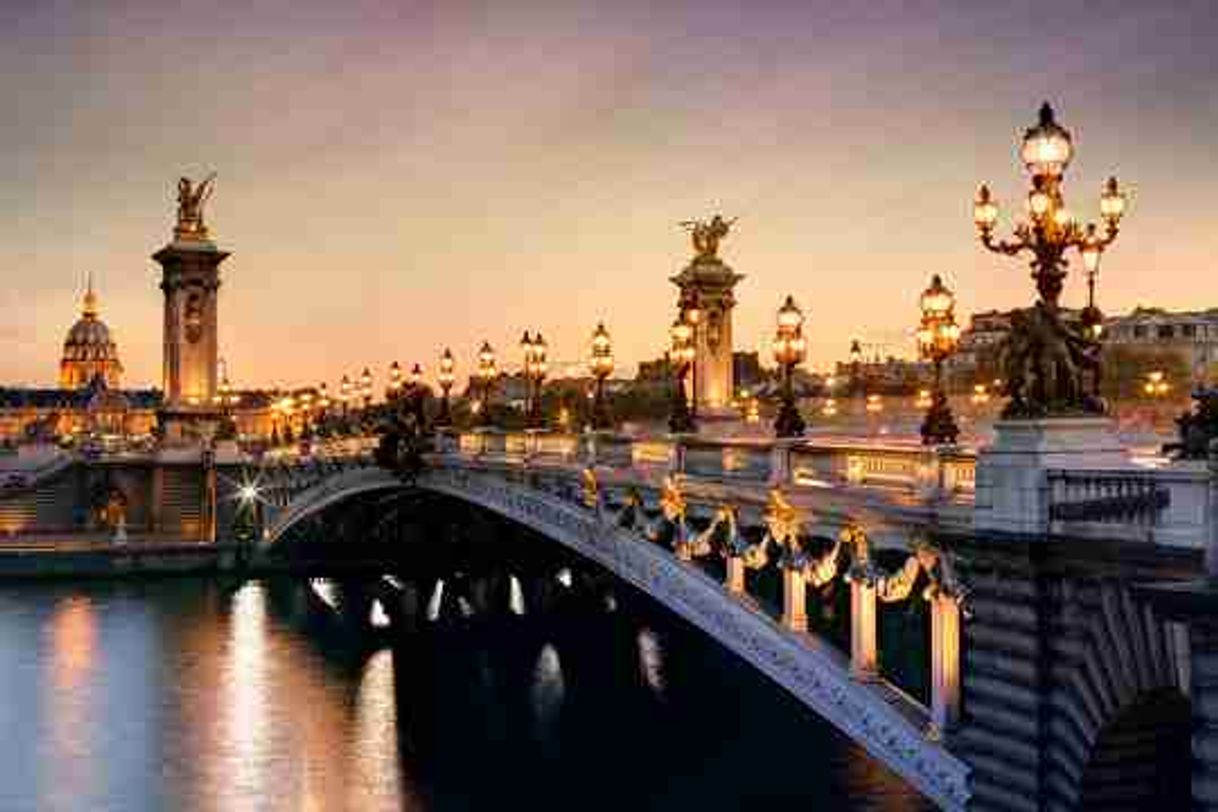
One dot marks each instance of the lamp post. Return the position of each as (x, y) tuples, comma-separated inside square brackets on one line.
[(691, 314), (789, 350), (681, 419), (344, 394), (1050, 358), (938, 337), (601, 364), (365, 385), (394, 387), (486, 375), (446, 379), (534, 373), (414, 388), (323, 406)]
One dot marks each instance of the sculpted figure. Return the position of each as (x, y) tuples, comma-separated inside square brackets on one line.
[(190, 205), (706, 235)]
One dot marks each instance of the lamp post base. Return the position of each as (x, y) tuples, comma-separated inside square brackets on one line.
[(789, 422), (939, 427)]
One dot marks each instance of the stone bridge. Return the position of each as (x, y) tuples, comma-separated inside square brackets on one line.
[(1054, 682)]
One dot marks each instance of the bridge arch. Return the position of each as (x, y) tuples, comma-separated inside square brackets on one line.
[(1120, 706), (872, 713)]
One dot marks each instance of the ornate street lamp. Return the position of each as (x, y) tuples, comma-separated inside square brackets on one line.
[(534, 373), (446, 378), (789, 351), (938, 337), (344, 394), (691, 314), (681, 418), (1050, 360), (394, 388), (486, 375), (417, 394), (365, 383), (857, 385), (601, 364)]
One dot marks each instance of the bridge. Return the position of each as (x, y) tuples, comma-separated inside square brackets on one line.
[(1054, 680)]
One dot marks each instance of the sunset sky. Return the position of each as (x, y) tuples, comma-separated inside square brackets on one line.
[(395, 177)]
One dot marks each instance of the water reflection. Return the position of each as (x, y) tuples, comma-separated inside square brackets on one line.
[(70, 706), (194, 695)]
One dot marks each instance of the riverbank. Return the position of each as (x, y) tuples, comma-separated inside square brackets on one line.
[(78, 557)]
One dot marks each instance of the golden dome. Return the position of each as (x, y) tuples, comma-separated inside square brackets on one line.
[(89, 349)]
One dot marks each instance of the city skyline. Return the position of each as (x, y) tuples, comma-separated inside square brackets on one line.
[(394, 181)]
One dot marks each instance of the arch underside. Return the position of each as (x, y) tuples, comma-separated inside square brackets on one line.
[(1119, 738)]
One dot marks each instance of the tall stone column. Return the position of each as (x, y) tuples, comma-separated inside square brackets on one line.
[(706, 287), (190, 281)]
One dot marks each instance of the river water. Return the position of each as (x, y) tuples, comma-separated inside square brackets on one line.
[(195, 694)]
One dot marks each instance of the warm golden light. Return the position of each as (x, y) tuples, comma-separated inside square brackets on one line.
[(985, 212), (1112, 202), (1047, 148)]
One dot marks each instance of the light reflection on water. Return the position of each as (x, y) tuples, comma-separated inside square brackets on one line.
[(186, 695)]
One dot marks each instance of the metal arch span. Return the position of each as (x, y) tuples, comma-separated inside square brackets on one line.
[(331, 490), (869, 713)]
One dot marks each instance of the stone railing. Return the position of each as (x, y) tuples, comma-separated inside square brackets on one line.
[(930, 474), (1163, 506)]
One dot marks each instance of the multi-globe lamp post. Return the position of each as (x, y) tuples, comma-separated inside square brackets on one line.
[(486, 373), (365, 386), (344, 395), (1048, 233), (535, 367), (601, 365), (789, 351), (938, 337), (681, 356), (394, 387), (446, 378), (417, 394)]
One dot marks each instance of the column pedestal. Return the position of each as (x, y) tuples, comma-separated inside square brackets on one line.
[(735, 575), (944, 664), (864, 660), (1012, 474), (794, 600)]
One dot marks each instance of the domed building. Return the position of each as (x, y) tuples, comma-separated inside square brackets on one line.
[(89, 351)]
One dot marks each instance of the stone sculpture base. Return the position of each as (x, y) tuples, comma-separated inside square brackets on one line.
[(1012, 490)]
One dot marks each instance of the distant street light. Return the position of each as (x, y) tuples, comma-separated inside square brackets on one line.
[(446, 379), (681, 355), (789, 351), (486, 376), (1156, 385), (365, 380), (938, 337), (535, 367), (601, 364)]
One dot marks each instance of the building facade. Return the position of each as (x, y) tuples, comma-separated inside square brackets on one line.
[(1191, 335)]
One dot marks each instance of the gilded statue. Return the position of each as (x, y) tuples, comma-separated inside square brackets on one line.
[(706, 235), (191, 198)]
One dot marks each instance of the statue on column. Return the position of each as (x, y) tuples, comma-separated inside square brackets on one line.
[(706, 235), (191, 198)]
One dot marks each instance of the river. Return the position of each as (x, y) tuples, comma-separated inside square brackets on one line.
[(197, 694)]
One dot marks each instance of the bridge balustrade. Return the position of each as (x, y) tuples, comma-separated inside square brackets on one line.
[(1162, 506)]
